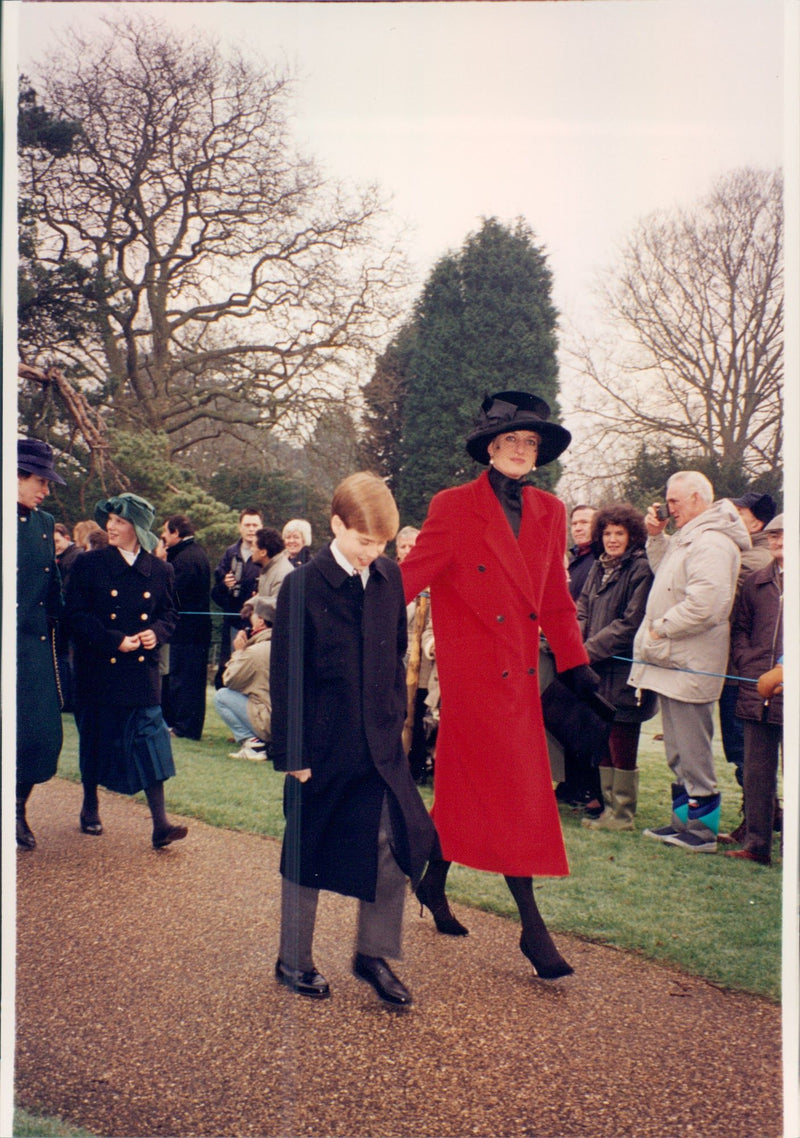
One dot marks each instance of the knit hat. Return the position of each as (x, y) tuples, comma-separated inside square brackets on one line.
[(509, 411), (36, 457), (133, 509), (761, 506)]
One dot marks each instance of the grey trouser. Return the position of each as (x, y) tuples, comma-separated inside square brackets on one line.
[(688, 732), (380, 922)]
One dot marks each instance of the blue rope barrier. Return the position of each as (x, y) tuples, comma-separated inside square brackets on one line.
[(689, 671)]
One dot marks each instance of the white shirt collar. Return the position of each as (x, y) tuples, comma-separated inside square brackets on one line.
[(351, 571)]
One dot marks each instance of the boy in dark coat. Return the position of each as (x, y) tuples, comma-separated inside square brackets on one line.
[(355, 823)]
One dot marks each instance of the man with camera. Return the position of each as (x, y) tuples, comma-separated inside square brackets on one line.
[(681, 648), (235, 581)]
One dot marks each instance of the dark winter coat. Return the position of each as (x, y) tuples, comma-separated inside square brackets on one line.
[(491, 593), (338, 705), (107, 600), (39, 734), (609, 616), (757, 641), (578, 569), (231, 561), (192, 584)]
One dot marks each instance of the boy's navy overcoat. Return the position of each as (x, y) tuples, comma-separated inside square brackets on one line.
[(338, 705)]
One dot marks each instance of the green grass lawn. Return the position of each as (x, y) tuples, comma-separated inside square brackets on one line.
[(713, 917)]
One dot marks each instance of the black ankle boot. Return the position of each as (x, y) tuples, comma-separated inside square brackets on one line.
[(25, 838)]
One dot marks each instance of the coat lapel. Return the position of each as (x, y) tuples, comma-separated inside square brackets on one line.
[(514, 555)]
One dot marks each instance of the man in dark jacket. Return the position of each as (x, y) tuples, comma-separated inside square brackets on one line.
[(581, 555), (235, 581), (757, 647), (183, 696)]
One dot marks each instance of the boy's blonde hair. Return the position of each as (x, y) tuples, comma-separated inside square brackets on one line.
[(364, 502)]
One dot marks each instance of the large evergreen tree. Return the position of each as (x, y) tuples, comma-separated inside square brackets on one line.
[(485, 322)]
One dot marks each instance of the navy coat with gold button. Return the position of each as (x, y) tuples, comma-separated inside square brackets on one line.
[(107, 600)]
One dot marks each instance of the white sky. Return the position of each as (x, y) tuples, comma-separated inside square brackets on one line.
[(579, 117)]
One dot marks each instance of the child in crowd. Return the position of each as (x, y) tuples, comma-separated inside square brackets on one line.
[(355, 823)]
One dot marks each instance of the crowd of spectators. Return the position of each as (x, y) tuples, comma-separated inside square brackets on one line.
[(676, 610)]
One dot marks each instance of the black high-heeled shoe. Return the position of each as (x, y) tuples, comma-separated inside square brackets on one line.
[(441, 912), (90, 823), (552, 971)]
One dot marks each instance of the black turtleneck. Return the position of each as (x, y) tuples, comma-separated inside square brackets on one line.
[(509, 495)]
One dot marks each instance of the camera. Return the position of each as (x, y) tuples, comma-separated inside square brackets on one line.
[(662, 513)]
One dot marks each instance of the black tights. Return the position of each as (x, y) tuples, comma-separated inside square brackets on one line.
[(155, 800), (534, 931)]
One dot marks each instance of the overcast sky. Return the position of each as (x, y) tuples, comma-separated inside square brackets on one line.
[(579, 117)]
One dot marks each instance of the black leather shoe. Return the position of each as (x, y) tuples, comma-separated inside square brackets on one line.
[(311, 983), (91, 824), (377, 972), (553, 969), (168, 836), (25, 838)]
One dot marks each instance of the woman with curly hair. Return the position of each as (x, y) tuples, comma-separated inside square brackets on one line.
[(610, 610)]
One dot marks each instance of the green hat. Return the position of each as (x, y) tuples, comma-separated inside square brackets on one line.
[(133, 509)]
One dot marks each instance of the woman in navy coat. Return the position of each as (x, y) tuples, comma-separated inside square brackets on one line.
[(121, 609), (39, 733)]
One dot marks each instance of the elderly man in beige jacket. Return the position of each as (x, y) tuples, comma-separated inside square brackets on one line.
[(681, 648)]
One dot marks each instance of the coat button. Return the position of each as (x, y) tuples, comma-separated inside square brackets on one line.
[(113, 616), (144, 616), (531, 671), (114, 593), (43, 638), (500, 619), (113, 660), (141, 659), (505, 675), (47, 569), (533, 615), (146, 596), (481, 568)]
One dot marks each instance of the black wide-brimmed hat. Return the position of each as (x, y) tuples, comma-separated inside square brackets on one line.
[(516, 411), (36, 457), (133, 509)]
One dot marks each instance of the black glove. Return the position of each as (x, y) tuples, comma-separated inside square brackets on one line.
[(582, 681)]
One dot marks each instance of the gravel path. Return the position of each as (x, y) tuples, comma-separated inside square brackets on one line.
[(146, 1005)]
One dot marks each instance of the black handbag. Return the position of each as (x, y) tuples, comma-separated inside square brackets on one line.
[(583, 725)]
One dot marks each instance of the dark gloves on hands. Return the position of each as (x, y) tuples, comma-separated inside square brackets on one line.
[(582, 681)]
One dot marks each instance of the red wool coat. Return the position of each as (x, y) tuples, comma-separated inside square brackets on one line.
[(490, 594)]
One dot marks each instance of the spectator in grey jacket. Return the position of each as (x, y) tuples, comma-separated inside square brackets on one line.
[(681, 648)]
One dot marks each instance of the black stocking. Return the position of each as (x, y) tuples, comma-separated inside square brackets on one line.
[(536, 941)]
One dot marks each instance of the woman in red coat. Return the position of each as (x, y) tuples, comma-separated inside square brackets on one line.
[(492, 554)]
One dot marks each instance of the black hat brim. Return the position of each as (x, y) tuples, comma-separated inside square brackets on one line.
[(555, 439)]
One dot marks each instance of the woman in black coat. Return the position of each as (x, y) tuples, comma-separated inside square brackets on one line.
[(610, 609), (121, 609), (39, 732)]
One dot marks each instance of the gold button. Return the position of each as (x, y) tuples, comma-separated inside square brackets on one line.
[(113, 616), (114, 593), (141, 659), (47, 570), (43, 638), (113, 660), (146, 596), (144, 616)]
